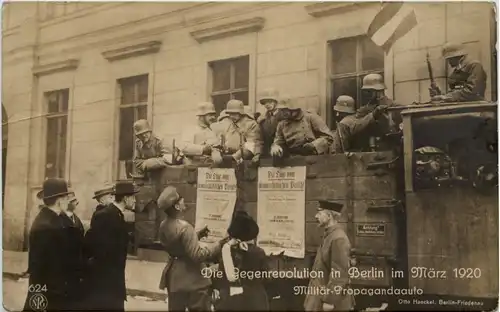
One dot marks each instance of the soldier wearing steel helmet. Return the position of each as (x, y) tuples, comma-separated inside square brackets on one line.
[(268, 123), (197, 142), (374, 88), (467, 82), (300, 133), (150, 154), (240, 132), (349, 126)]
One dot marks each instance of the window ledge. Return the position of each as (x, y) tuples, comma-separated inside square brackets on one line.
[(132, 50), (322, 9), (230, 29), (66, 65)]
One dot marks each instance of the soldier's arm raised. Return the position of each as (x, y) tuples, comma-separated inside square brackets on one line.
[(194, 250)]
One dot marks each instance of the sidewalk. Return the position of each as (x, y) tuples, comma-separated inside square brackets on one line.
[(141, 277)]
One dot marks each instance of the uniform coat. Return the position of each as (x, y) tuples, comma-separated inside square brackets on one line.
[(268, 125), (194, 140), (467, 81), (48, 261), (333, 255), (254, 296), (348, 129), (151, 155), (109, 242), (182, 274), (305, 128), (76, 261), (246, 131)]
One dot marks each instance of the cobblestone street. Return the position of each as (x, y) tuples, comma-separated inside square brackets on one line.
[(14, 294)]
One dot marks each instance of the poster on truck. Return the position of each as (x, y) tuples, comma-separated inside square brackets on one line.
[(281, 212), (215, 200)]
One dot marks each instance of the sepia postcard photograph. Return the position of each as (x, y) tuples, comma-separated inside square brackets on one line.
[(249, 156)]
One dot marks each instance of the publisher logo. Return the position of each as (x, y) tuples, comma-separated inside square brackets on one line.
[(38, 302)]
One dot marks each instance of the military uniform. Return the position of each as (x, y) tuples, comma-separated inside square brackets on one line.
[(196, 139), (333, 260), (467, 82), (244, 134), (291, 135), (268, 122)]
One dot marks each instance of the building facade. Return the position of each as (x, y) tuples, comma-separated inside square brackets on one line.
[(77, 75)]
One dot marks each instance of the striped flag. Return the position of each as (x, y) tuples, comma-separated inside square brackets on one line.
[(394, 20)]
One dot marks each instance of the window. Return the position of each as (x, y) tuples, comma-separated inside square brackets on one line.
[(57, 127), (351, 60), (133, 106), (229, 81)]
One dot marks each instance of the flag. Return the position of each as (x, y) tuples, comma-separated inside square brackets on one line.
[(394, 20)]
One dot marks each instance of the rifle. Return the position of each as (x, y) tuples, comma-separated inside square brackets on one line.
[(434, 87)]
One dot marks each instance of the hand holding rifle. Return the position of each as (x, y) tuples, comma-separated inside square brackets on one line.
[(434, 88)]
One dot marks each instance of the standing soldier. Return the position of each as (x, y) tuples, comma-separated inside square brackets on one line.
[(75, 254), (467, 82), (241, 133), (300, 133), (110, 250), (333, 260), (349, 127), (198, 141), (48, 263), (182, 276), (269, 122), (150, 154)]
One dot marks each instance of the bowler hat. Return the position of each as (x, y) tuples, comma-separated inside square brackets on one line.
[(54, 188), (330, 205), (125, 188), (243, 227), (102, 192), (168, 198)]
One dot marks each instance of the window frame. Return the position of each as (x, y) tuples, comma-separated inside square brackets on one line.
[(136, 105), (232, 79), (356, 74), (59, 115)]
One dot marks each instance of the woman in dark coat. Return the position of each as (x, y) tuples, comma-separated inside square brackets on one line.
[(238, 293)]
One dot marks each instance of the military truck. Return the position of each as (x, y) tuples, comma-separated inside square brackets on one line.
[(422, 217)]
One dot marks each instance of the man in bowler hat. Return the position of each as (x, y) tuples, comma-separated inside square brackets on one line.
[(109, 252), (333, 256), (48, 264), (182, 276), (104, 197)]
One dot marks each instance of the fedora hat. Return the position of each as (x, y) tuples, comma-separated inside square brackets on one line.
[(54, 188), (103, 191), (243, 227), (125, 188)]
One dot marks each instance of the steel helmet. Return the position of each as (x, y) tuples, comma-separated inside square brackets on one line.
[(452, 50), (283, 102), (345, 104), (248, 111), (141, 126), (290, 104), (235, 106), (373, 82), (268, 94), (205, 108), (222, 115)]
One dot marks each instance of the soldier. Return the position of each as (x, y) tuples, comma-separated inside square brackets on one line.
[(197, 142), (150, 153), (269, 122), (110, 250), (332, 257), (48, 264), (467, 82), (374, 87), (300, 133), (349, 127), (182, 276), (241, 133)]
